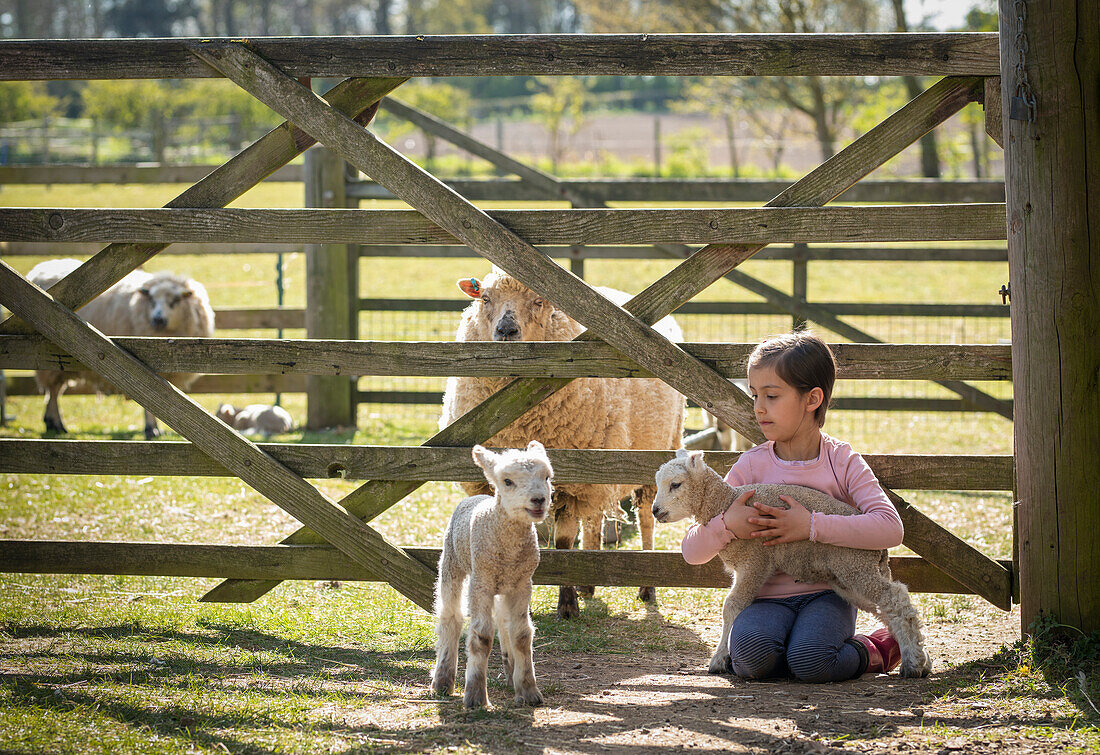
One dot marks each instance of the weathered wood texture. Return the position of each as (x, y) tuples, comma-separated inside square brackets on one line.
[(1053, 171), (909, 191), (279, 146), (489, 359), (241, 457), (332, 295), (938, 472), (320, 562), (923, 54), (889, 223), (134, 174)]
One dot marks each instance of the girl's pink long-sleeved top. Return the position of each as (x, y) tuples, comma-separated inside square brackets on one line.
[(838, 471)]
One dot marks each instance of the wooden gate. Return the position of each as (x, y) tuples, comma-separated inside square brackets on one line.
[(269, 69)]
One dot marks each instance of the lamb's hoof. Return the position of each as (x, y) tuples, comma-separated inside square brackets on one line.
[(152, 432), (647, 594), (916, 670), (568, 607), (54, 426), (443, 686), (586, 591), (474, 698), (720, 664), (529, 697)]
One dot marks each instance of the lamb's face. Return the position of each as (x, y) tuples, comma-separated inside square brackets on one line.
[(673, 483), (506, 310), (521, 480), (163, 301)]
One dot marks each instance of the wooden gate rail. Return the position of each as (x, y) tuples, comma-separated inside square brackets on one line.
[(287, 490), (615, 568), (451, 464), (892, 54), (499, 359), (354, 97), (375, 497)]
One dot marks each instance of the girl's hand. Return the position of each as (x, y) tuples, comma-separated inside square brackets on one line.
[(781, 525), (737, 516)]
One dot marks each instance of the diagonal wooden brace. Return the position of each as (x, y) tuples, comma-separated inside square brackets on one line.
[(237, 454), (355, 97)]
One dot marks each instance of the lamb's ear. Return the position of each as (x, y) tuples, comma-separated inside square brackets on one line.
[(225, 413), (695, 460), (536, 447), (681, 453), (471, 287), (483, 457)]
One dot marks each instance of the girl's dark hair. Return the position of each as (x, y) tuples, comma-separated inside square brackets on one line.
[(803, 360)]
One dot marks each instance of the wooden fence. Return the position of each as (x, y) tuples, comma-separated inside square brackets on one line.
[(337, 541)]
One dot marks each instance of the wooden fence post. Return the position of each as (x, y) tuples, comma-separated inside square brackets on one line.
[(1052, 161), (329, 300)]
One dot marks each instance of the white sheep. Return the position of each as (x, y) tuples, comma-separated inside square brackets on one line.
[(141, 304), (492, 540), (256, 418), (628, 413), (686, 486)]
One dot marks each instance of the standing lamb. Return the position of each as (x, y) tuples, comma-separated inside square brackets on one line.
[(492, 540), (686, 486), (628, 413), (141, 304)]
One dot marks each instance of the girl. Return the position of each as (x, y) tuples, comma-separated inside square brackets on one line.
[(804, 630)]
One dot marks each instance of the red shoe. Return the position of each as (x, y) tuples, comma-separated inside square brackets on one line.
[(883, 653)]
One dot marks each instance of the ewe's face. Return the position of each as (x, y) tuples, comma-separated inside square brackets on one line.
[(511, 312), (524, 487), (670, 504), (164, 300)]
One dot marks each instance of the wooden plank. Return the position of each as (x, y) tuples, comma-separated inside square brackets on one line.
[(992, 106), (495, 359), (276, 148), (424, 463), (575, 226), (617, 568), (922, 54), (908, 191), (19, 385), (1052, 164), (124, 174), (822, 184), (286, 318), (263, 473), (86, 248)]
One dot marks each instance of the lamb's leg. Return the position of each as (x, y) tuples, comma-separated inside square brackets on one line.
[(55, 386), (479, 641), (448, 608), (500, 618), (741, 595), (566, 526), (592, 540), (643, 505), (516, 613), (890, 600), (152, 430)]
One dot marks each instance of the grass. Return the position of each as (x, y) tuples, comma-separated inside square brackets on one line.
[(136, 664)]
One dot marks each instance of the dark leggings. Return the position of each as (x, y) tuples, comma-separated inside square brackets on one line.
[(801, 636)]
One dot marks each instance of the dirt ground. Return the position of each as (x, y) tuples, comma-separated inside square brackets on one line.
[(599, 703)]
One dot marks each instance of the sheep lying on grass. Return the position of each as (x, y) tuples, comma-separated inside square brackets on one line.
[(491, 540), (686, 486), (255, 419), (141, 304), (635, 413)]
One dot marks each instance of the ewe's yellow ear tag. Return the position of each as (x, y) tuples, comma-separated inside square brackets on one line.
[(471, 287)]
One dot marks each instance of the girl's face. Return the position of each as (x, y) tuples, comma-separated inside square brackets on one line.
[(783, 413)]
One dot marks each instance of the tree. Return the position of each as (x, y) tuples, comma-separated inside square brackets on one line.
[(929, 154), (560, 107), (26, 100), (441, 99)]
